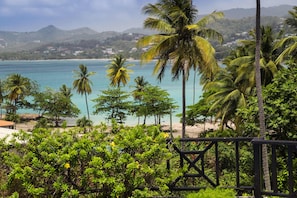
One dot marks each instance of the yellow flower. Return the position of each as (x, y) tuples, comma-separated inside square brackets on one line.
[(67, 165), (165, 135), (112, 144)]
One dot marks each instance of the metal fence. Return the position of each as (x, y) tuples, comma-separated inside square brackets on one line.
[(194, 156)]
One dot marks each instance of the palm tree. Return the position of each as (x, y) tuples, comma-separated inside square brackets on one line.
[(1, 98), (181, 42), (139, 87), (82, 83), (259, 95), (118, 71), (292, 21), (17, 87), (66, 91), (289, 44), (227, 96), (244, 59)]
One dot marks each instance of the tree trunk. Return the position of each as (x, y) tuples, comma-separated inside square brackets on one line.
[(86, 97), (260, 97), (184, 76)]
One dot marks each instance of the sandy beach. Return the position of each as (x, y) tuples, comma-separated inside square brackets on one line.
[(191, 131)]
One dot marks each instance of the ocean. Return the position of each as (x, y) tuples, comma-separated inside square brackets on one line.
[(54, 73)]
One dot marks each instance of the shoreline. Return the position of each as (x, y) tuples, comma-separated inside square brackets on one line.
[(191, 131)]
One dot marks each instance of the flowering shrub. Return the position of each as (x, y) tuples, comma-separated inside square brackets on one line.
[(130, 163)]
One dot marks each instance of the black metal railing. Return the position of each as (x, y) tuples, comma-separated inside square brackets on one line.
[(192, 157), (288, 151)]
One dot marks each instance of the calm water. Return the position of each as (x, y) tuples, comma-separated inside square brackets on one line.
[(54, 73)]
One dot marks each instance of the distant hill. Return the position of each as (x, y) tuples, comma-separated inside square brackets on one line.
[(13, 41), (239, 13)]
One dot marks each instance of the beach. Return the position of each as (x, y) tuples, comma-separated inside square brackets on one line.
[(191, 131)]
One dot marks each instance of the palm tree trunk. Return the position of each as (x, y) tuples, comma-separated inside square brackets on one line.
[(86, 97), (184, 103), (194, 86), (260, 97)]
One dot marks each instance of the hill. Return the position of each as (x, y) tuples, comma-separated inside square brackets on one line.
[(14, 41), (276, 11), (52, 42)]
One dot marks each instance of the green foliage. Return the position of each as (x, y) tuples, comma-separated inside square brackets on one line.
[(15, 90), (153, 101), (199, 112), (84, 122), (11, 116), (113, 102), (213, 193), (130, 163), (42, 123), (280, 106), (55, 104)]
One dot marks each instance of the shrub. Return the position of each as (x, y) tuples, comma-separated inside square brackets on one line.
[(130, 163), (213, 193)]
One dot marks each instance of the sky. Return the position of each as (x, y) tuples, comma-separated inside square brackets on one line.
[(99, 15)]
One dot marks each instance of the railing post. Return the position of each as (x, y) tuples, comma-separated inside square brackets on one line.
[(257, 168), (290, 170), (237, 164)]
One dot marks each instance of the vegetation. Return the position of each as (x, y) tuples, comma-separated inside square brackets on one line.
[(82, 83), (218, 193), (54, 105), (118, 71), (181, 42), (114, 103), (119, 161), (131, 163)]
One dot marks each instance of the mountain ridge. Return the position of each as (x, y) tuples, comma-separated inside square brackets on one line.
[(16, 41)]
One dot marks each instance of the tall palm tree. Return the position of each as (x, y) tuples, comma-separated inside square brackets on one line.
[(118, 71), (82, 83), (1, 98), (259, 95), (181, 42)]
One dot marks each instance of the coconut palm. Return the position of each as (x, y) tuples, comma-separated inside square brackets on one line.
[(292, 21), (181, 42), (66, 91), (118, 71), (243, 59), (227, 96), (289, 44), (137, 93), (82, 83), (139, 87), (17, 87)]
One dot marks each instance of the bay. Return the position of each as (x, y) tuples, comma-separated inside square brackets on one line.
[(55, 73)]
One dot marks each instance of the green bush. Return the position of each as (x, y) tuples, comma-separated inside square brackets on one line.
[(213, 193), (130, 163)]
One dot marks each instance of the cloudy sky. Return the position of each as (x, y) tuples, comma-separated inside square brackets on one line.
[(100, 15)]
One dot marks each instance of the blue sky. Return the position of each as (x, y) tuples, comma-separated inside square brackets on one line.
[(100, 15)]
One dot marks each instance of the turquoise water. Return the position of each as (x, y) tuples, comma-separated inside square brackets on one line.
[(54, 73)]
